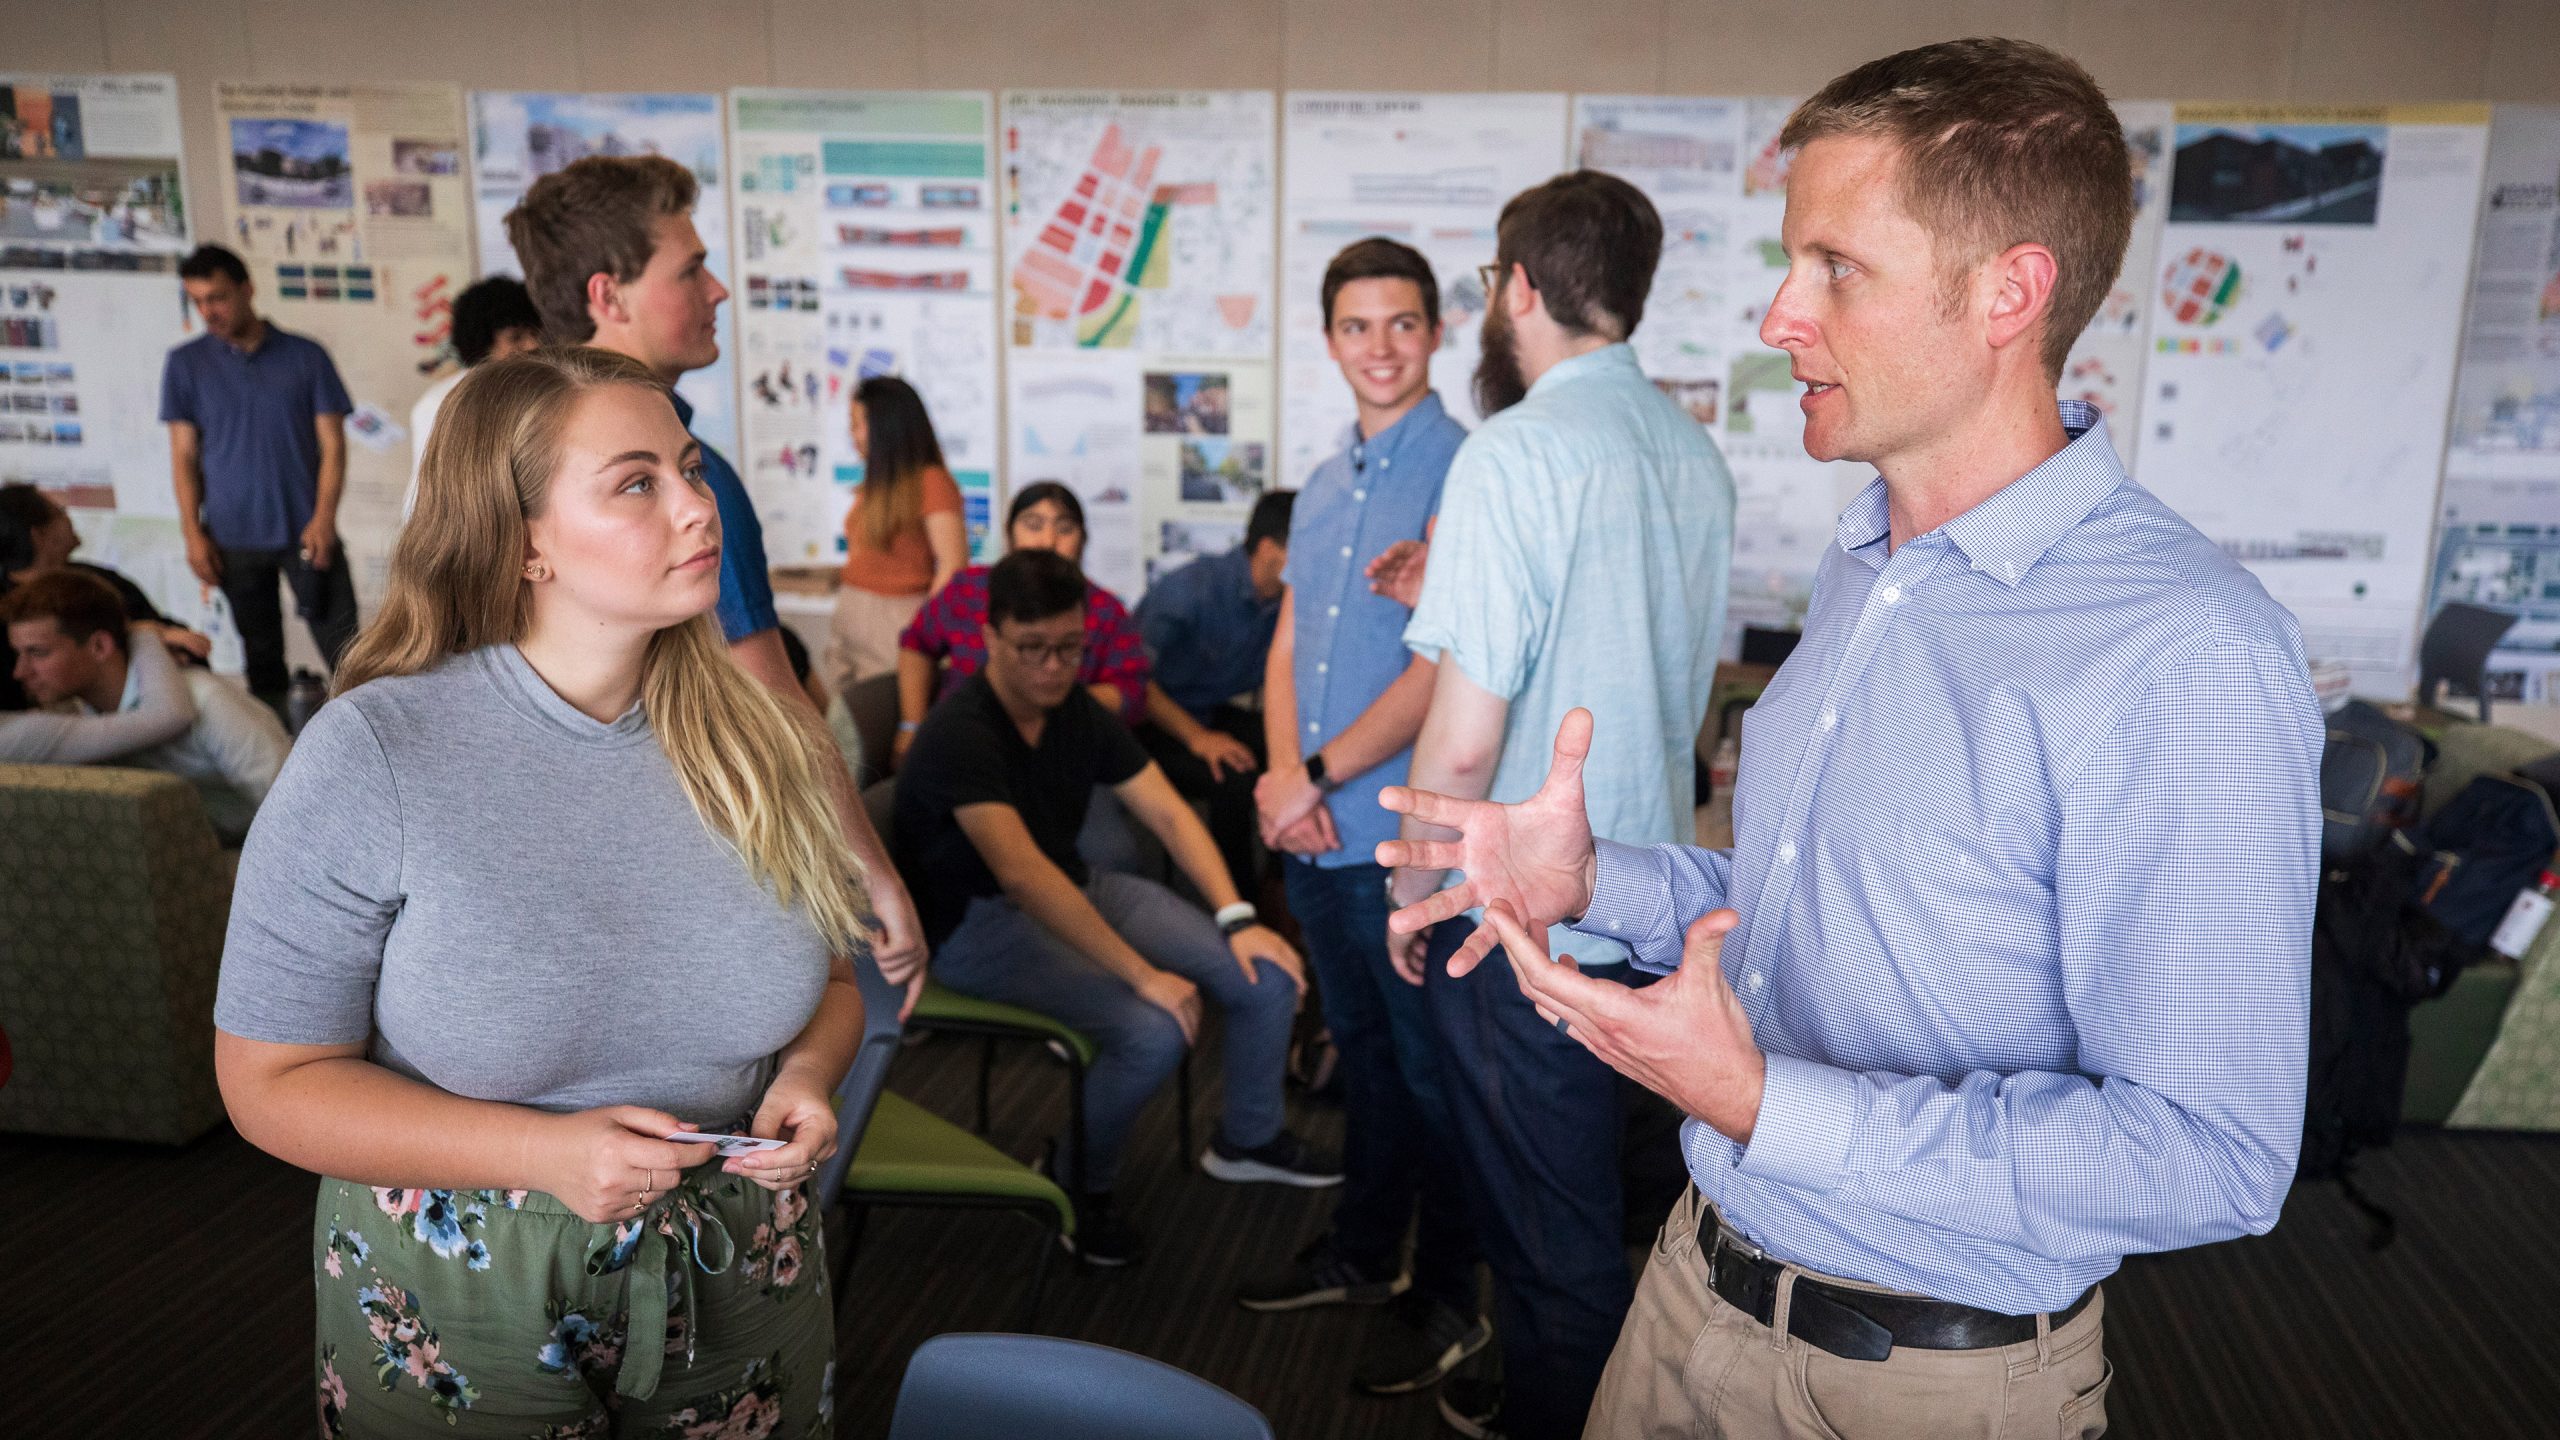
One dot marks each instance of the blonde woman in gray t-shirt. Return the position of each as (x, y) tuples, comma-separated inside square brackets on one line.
[(550, 881)]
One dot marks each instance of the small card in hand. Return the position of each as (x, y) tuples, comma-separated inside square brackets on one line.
[(729, 1145)]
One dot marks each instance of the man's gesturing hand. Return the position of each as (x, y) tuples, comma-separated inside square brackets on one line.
[(1535, 856), (1684, 1037)]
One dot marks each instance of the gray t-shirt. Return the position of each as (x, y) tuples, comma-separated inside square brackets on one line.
[(512, 901)]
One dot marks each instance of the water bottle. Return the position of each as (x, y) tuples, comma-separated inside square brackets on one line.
[(303, 700), (2515, 934)]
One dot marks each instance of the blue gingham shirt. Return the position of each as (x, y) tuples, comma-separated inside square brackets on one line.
[(2027, 834), (1347, 645)]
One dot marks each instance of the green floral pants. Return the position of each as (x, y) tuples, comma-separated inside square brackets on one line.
[(500, 1313)]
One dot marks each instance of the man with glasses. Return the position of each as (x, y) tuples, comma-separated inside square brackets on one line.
[(990, 799)]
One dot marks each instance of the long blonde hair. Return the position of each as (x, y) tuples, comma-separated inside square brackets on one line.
[(752, 770)]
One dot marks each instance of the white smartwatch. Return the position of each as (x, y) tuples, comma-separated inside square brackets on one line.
[(1232, 918)]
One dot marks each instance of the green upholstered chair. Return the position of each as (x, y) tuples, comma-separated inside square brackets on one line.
[(891, 1151), (943, 1009), (113, 900)]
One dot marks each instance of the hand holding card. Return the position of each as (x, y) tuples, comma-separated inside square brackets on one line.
[(726, 1146)]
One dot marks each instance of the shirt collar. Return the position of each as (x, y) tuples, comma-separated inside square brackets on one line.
[(1424, 413), (684, 407), (1617, 356), (2007, 534)]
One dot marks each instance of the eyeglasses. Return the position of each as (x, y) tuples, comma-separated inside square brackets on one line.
[(1065, 652), (1490, 277)]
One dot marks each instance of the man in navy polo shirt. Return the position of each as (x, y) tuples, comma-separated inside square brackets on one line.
[(612, 260), (258, 455)]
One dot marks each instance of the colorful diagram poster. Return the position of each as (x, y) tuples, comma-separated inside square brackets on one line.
[(2310, 292), (2105, 367), (1137, 281), (1430, 170), (349, 204), (519, 137), (2498, 543), (866, 245), (93, 221)]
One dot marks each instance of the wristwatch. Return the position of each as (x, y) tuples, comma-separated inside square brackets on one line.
[(1316, 775), (1232, 918)]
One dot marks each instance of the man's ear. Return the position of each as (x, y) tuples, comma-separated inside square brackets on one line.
[(102, 646), (604, 298), (2022, 279)]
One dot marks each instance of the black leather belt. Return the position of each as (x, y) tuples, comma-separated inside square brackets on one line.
[(1857, 1324)]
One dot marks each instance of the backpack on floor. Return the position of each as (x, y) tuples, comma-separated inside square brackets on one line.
[(2370, 773)]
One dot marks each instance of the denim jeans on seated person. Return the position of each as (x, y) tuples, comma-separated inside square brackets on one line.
[(1000, 953)]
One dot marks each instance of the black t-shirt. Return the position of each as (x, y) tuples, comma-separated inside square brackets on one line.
[(967, 752), (137, 607)]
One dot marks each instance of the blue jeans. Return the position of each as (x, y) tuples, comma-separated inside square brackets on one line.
[(1396, 1150), (1000, 953), (1538, 1121)]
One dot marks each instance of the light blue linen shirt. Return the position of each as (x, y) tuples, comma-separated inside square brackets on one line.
[(1585, 535), (1348, 644), (2027, 836)]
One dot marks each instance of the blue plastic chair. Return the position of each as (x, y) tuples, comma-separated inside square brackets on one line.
[(968, 1387)]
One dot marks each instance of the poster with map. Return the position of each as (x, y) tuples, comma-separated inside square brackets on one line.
[(2105, 366), (93, 221), (2498, 537), (350, 206), (866, 245), (1137, 277), (1429, 170), (2309, 295), (518, 137)]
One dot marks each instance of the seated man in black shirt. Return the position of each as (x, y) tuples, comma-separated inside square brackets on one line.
[(990, 799)]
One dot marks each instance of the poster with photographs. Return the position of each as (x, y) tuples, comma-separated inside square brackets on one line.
[(93, 222), (349, 204), (1138, 266), (866, 247)]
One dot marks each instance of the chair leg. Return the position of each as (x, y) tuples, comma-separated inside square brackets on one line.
[(1182, 1112), (1075, 1114), (986, 1077), (1039, 1277)]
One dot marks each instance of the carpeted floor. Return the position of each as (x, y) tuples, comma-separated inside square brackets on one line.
[(167, 1294)]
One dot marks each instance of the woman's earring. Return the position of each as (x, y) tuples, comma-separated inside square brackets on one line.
[(536, 572)]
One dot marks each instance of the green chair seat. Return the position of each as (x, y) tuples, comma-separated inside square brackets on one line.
[(909, 1151), (941, 1007)]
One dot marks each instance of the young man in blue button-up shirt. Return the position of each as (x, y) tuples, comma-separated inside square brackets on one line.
[(2006, 976), (1342, 701)]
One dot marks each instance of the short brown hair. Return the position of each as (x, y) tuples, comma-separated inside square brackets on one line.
[(79, 604), (1589, 242), (1379, 258), (2003, 142), (592, 215)]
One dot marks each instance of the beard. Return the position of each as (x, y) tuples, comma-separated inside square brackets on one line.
[(1499, 383)]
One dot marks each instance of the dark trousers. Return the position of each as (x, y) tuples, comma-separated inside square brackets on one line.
[(1397, 1153), (1232, 821), (1538, 1121), (326, 600)]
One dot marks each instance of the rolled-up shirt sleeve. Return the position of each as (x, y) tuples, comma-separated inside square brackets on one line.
[(2185, 875)]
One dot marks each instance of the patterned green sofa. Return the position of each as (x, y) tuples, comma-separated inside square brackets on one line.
[(113, 899)]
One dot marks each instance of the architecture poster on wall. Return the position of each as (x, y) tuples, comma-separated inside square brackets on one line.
[(1711, 167), (1137, 305), (2498, 542), (2105, 367), (2307, 306), (1430, 170), (349, 204), (866, 245), (518, 137)]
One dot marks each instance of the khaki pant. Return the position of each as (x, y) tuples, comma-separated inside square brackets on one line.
[(862, 639), (1689, 1364)]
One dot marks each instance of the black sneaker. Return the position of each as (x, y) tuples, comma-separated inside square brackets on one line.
[(1473, 1408), (1102, 1237), (1416, 1345), (1285, 1160), (1319, 1277)]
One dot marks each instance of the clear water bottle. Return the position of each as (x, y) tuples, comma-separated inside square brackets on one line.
[(304, 700)]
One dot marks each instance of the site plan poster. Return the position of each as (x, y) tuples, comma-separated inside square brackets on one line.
[(2105, 367), (519, 137), (2498, 543), (866, 245), (350, 205), (1137, 309), (2310, 294), (1429, 170), (93, 222)]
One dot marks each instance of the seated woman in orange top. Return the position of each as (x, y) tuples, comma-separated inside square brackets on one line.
[(902, 538)]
